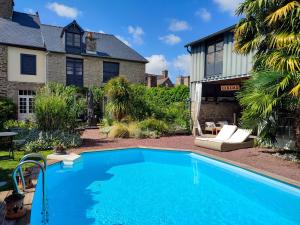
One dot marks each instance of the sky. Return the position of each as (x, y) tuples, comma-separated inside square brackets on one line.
[(157, 29)]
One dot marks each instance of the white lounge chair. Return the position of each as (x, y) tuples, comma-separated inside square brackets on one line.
[(240, 139), (225, 133)]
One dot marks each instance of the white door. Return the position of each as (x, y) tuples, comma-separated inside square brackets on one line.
[(26, 104)]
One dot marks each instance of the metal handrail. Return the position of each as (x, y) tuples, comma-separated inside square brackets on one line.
[(28, 156), (14, 176)]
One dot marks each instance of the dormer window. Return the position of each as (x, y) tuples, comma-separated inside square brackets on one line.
[(73, 38)]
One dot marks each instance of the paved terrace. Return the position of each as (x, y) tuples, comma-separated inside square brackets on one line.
[(255, 159)]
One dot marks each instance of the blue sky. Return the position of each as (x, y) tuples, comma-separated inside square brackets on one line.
[(158, 30)]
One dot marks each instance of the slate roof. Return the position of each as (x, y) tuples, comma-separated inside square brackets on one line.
[(26, 30), (22, 30), (107, 45)]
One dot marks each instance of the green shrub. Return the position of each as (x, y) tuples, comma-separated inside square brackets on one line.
[(58, 107), (134, 130), (118, 93), (153, 124), (48, 140), (19, 124), (119, 130), (8, 110)]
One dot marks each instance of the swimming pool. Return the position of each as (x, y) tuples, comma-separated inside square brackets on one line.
[(155, 187)]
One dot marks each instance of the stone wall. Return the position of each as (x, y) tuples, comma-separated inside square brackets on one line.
[(215, 111), (56, 68), (14, 87), (3, 70), (134, 71), (93, 70)]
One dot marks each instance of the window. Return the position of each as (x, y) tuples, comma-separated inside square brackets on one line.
[(28, 64), (73, 42), (74, 72), (26, 104), (214, 59), (110, 70), (73, 39)]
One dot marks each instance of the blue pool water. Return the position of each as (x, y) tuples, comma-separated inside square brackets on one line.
[(151, 187)]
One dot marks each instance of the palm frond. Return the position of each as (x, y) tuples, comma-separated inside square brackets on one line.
[(296, 90), (282, 39), (282, 12)]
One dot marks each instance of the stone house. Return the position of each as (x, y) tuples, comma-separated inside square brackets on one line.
[(32, 54), (154, 80)]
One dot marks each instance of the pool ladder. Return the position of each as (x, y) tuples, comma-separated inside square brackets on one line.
[(32, 158)]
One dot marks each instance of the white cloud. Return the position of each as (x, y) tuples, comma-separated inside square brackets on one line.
[(182, 63), (123, 40), (101, 31), (157, 63), (170, 39), (204, 14), (29, 10), (63, 10), (178, 25), (228, 5), (137, 33)]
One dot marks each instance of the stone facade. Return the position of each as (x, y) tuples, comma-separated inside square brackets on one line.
[(14, 87), (92, 69), (133, 71), (215, 111), (92, 72), (3, 70), (56, 68)]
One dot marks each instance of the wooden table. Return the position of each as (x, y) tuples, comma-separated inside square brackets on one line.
[(6, 141), (216, 130)]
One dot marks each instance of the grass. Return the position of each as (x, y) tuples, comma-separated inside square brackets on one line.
[(7, 165)]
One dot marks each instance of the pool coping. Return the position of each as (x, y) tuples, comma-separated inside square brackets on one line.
[(218, 158)]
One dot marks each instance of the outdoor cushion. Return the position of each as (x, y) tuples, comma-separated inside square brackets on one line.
[(239, 136), (225, 133)]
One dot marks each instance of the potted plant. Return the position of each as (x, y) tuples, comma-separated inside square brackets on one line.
[(59, 149), (15, 206)]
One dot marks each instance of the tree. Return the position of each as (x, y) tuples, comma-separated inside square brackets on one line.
[(118, 93), (264, 103), (270, 28)]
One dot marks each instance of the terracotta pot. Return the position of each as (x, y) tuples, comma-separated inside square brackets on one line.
[(28, 180), (15, 206)]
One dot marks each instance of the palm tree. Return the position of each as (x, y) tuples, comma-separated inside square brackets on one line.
[(264, 103), (118, 93), (271, 29)]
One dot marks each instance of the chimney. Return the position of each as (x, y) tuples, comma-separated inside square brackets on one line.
[(186, 81), (179, 80), (151, 81), (164, 73), (90, 42), (6, 9)]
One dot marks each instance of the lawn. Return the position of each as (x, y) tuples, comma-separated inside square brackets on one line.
[(7, 165)]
